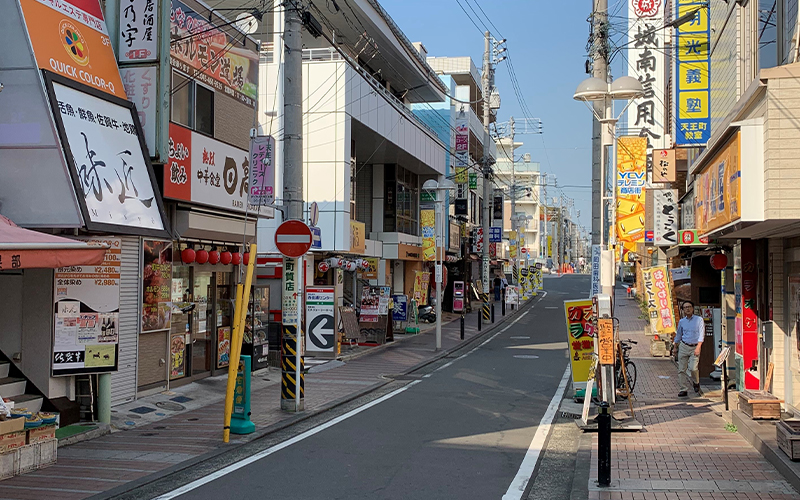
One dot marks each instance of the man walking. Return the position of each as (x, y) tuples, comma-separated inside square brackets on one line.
[(688, 341)]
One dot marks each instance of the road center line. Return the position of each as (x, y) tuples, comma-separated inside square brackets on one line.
[(269, 451), (517, 487)]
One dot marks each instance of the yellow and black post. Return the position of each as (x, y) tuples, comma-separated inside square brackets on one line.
[(292, 393), (289, 383), (485, 310)]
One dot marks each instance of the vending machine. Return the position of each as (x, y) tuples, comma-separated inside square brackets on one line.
[(459, 292)]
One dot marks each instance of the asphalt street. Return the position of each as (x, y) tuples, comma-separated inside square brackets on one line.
[(464, 427)]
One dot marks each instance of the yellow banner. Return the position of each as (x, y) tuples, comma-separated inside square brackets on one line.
[(427, 221), (631, 180), (421, 281), (461, 176), (580, 338), (658, 296)]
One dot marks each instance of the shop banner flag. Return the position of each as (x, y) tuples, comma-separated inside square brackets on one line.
[(658, 296), (580, 337)]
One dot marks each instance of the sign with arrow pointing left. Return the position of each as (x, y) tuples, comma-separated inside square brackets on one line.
[(320, 320)]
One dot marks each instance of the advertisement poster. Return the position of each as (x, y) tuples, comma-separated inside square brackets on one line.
[(177, 355), (400, 310), (665, 217), (106, 155), (421, 282), (138, 31), (223, 346), (658, 297), (261, 184), (427, 222), (140, 85), (693, 75), (320, 320), (580, 337), (86, 308), (370, 305), (212, 56), (718, 190), (70, 38), (207, 172), (156, 285), (631, 180)]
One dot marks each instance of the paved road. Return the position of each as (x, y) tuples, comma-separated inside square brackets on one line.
[(460, 428)]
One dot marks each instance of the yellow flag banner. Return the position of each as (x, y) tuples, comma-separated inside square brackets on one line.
[(631, 180)]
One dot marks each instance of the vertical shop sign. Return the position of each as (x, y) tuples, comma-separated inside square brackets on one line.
[(427, 222), (664, 165), (156, 285), (596, 253), (665, 217), (749, 315), (658, 297), (580, 337), (473, 180), (86, 309), (289, 288), (138, 30), (462, 150), (421, 282), (647, 62), (177, 354), (139, 82), (693, 75), (223, 346), (631, 180), (261, 185)]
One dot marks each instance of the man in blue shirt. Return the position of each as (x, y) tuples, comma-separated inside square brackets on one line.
[(688, 341)]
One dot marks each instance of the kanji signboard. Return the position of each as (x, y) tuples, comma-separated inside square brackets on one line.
[(692, 76), (658, 297)]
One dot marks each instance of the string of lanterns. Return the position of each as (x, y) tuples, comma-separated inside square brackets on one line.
[(340, 263), (203, 256)]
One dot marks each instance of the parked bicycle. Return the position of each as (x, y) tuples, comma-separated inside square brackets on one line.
[(630, 370)]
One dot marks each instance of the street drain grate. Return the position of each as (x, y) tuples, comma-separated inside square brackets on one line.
[(168, 405)]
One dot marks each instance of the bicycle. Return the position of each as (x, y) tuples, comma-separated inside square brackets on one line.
[(630, 370)]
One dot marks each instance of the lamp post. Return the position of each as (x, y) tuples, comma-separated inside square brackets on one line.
[(593, 89), (438, 187)]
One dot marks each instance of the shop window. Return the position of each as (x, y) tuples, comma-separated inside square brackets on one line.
[(191, 104)]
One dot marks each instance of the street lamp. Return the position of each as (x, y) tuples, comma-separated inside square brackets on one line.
[(438, 187), (597, 91)]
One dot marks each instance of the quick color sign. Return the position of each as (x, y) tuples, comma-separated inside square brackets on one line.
[(69, 37), (692, 75)]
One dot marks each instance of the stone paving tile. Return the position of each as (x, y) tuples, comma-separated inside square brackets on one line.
[(684, 452)]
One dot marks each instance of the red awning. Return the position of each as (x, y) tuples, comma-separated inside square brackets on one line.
[(25, 249)]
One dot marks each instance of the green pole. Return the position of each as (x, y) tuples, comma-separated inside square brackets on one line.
[(104, 398)]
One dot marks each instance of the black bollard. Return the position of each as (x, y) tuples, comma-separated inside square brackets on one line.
[(603, 445), (503, 307), (462, 327), (480, 315), (492, 313)]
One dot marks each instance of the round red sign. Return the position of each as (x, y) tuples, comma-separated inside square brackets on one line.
[(293, 238)]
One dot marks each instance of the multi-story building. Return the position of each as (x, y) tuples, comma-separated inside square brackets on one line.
[(523, 181)]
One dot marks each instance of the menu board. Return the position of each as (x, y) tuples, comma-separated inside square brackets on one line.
[(156, 285), (86, 314)]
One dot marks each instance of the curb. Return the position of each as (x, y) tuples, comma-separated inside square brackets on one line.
[(292, 420), (767, 447)]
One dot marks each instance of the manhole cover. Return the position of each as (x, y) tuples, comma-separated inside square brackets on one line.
[(141, 410), (526, 356), (518, 337), (169, 405)]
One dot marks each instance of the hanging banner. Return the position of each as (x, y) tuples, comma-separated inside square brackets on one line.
[(156, 285), (421, 282), (462, 148), (427, 222), (631, 180), (473, 180), (580, 337), (665, 217), (693, 74), (658, 297), (261, 181), (664, 165), (86, 326), (647, 63)]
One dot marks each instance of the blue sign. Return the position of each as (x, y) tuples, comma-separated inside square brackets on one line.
[(693, 75), (400, 310), (316, 237), (495, 234)]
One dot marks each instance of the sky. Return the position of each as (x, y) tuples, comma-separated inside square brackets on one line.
[(547, 46)]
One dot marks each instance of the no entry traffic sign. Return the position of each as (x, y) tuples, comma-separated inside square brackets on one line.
[(293, 238)]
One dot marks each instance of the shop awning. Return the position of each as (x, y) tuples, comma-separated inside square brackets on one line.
[(25, 249)]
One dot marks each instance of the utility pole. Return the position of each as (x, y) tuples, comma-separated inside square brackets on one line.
[(514, 225), (292, 386), (487, 79), (599, 70)]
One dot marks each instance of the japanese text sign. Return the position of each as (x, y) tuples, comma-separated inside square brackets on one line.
[(631, 181), (139, 82), (665, 217), (692, 75), (261, 185), (664, 165), (427, 222), (605, 341), (658, 297), (138, 30), (580, 337)]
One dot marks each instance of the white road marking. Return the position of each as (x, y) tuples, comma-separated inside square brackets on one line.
[(269, 451), (517, 487)]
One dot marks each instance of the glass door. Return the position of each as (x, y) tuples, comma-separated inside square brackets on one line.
[(203, 327), (223, 311)]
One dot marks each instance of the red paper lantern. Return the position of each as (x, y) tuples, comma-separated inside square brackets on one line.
[(719, 261), (187, 256), (236, 258), (323, 266), (202, 256), (213, 257), (246, 258), (225, 257)]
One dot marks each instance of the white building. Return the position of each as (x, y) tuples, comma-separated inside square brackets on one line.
[(528, 192)]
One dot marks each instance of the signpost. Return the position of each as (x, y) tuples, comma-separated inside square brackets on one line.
[(320, 320)]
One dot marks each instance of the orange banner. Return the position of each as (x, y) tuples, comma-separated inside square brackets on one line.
[(631, 180), (73, 43)]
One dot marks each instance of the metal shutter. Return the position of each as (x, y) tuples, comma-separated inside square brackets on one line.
[(123, 382)]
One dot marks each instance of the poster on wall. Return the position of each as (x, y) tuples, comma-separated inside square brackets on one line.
[(86, 309), (223, 346), (156, 285), (110, 166), (631, 180), (177, 354), (370, 305)]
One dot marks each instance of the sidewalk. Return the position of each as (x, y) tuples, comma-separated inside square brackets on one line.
[(684, 451), (158, 432)]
